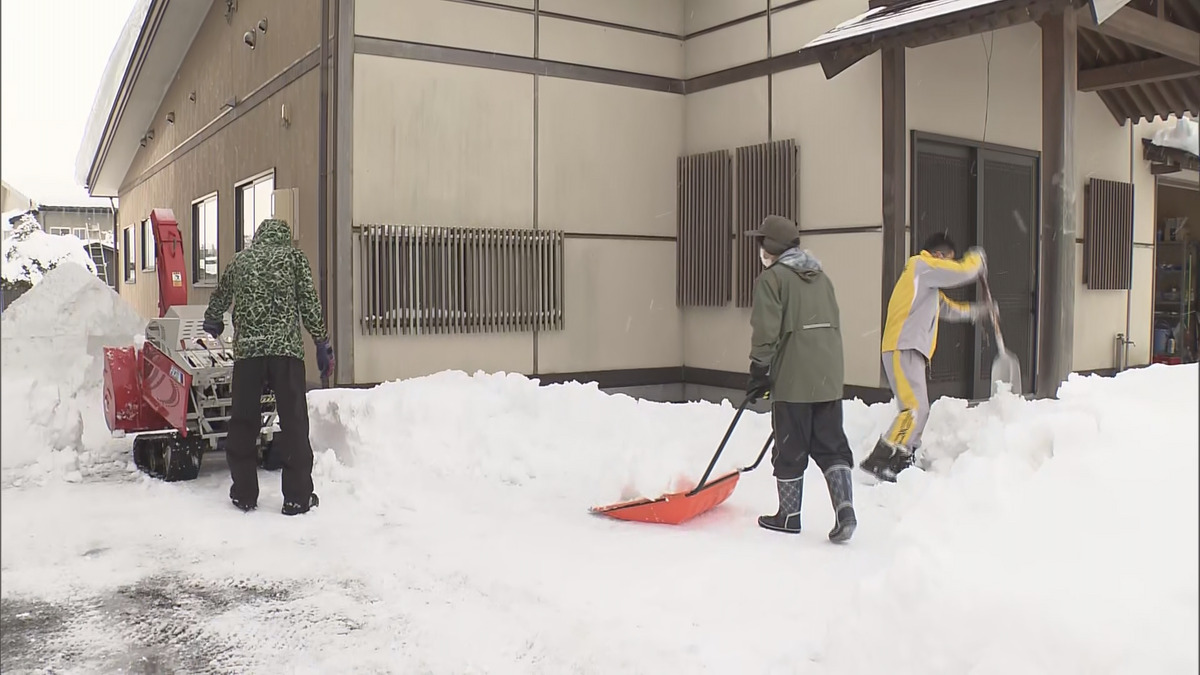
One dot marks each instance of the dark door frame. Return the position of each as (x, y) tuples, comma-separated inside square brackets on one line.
[(916, 139)]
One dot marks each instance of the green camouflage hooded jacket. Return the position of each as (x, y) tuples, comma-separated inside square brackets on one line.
[(271, 288)]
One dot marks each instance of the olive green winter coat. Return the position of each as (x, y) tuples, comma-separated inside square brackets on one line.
[(271, 287), (796, 330)]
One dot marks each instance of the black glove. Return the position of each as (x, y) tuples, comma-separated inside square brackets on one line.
[(760, 383), (214, 327)]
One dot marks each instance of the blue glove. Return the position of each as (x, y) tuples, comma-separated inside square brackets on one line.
[(214, 327), (325, 358)]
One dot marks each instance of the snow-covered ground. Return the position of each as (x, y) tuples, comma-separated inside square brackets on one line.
[(1049, 537)]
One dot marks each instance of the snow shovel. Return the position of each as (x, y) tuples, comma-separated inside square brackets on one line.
[(676, 508), (1005, 368)]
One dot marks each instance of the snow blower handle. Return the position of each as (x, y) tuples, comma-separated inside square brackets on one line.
[(720, 448)]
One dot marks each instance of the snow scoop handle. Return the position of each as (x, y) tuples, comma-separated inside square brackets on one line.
[(721, 448), (987, 294), (762, 453)]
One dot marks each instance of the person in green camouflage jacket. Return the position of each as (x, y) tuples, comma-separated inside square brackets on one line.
[(271, 288)]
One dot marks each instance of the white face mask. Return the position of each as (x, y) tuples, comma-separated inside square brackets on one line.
[(766, 259)]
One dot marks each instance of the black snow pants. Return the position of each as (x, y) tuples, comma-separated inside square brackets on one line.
[(285, 376), (804, 429)]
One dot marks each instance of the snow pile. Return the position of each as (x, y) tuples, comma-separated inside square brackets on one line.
[(1184, 135), (1059, 537), (29, 252), (53, 338), (505, 431), (1047, 538)]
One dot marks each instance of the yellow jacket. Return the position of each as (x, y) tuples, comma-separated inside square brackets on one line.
[(918, 301)]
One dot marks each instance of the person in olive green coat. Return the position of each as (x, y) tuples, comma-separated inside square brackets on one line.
[(796, 362)]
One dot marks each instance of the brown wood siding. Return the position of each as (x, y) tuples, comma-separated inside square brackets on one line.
[(219, 66), (251, 144)]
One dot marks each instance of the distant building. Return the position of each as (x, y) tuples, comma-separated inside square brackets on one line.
[(89, 223), (12, 200)]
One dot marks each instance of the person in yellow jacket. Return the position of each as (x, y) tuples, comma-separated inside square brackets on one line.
[(910, 338)]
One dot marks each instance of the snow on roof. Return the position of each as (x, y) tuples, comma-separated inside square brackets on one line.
[(132, 88), (883, 18), (109, 87), (1183, 135)]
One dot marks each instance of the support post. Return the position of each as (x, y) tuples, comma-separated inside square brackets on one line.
[(894, 174), (1058, 222), (343, 221), (323, 181)]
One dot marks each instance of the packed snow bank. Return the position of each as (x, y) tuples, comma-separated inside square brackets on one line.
[(29, 252), (1047, 538), (1057, 537), (53, 338), (506, 430)]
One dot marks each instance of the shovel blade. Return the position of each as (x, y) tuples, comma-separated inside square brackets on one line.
[(1007, 369)]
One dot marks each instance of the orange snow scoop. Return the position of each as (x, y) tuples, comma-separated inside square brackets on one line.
[(676, 508)]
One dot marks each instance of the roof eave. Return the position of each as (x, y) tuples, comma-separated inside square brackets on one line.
[(165, 38)]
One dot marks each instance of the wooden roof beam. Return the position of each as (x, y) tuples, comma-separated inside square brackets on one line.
[(1145, 31), (1138, 72)]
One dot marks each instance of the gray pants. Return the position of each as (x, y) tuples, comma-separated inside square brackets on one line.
[(905, 370)]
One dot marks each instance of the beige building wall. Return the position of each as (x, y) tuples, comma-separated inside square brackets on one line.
[(839, 181), (958, 71), (984, 89), (452, 145), (217, 67)]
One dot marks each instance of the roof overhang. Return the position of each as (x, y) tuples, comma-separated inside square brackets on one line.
[(1165, 160), (1142, 65), (918, 23), (162, 41)]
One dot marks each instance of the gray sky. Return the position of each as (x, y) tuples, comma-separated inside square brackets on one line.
[(52, 53)]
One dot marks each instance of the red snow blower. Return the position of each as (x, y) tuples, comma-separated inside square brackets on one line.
[(175, 392), (676, 508)]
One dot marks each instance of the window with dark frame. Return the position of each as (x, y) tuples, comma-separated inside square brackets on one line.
[(148, 252), (205, 263), (127, 254), (254, 203)]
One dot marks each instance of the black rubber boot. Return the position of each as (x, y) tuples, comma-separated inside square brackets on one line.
[(885, 461), (241, 504), (296, 508), (841, 493), (787, 518)]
